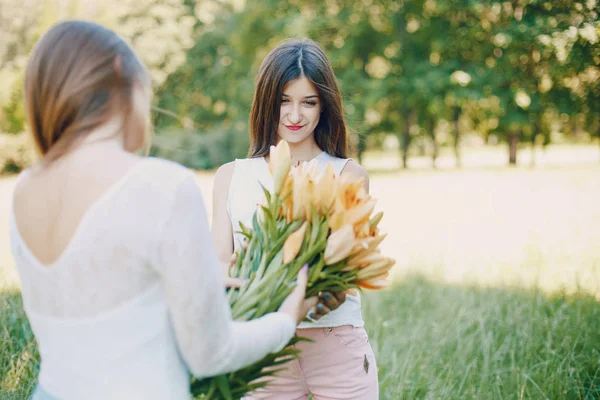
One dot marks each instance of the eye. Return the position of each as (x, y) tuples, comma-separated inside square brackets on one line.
[(284, 101), (311, 103)]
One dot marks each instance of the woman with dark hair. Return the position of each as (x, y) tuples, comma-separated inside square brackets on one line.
[(297, 99), (120, 280)]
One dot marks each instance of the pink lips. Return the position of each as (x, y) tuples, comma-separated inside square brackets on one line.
[(293, 127)]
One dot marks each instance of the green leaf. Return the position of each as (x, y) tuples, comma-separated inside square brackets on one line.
[(223, 385), (316, 220), (267, 193), (244, 230), (315, 270)]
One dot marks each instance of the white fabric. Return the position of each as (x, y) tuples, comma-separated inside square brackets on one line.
[(137, 300), (245, 194)]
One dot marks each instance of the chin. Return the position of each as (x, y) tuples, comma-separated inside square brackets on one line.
[(291, 138)]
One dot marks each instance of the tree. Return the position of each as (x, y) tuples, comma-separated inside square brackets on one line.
[(159, 31)]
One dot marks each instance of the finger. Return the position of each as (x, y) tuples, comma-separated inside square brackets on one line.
[(309, 304), (322, 309), (330, 301), (341, 296), (233, 260), (234, 282), (230, 283), (302, 279), (319, 311)]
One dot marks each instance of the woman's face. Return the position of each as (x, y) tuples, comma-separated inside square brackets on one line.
[(300, 111)]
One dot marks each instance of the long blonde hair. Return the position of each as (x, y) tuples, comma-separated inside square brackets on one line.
[(79, 75)]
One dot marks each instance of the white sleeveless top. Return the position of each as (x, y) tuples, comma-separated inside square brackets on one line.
[(137, 299), (245, 194)]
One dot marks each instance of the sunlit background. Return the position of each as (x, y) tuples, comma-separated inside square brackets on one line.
[(478, 122)]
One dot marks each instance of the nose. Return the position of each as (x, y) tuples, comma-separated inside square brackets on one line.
[(295, 114)]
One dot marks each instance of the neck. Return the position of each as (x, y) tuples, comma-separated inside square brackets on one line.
[(109, 134), (304, 151), (106, 137)]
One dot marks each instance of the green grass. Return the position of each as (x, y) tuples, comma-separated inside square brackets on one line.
[(448, 342), (432, 342), (497, 292), (18, 352)]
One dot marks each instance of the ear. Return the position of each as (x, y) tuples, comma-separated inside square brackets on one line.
[(117, 66)]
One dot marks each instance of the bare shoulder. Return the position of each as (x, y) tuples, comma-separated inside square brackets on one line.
[(224, 174), (223, 177), (31, 187), (354, 169), (21, 189)]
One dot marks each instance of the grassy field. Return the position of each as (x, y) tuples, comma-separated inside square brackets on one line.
[(448, 342), (496, 294)]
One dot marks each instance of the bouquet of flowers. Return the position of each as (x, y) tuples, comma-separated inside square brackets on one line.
[(310, 217)]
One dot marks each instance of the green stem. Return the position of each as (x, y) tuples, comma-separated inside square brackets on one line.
[(304, 258), (315, 270), (252, 297)]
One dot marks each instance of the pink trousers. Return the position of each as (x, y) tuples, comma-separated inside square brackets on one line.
[(339, 365)]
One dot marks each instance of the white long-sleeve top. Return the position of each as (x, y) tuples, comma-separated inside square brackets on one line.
[(136, 300)]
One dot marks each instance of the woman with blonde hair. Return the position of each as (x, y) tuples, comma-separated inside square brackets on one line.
[(120, 279)]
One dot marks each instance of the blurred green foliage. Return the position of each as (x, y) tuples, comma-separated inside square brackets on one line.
[(424, 71)]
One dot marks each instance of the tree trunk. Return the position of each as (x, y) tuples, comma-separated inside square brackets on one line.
[(597, 127), (532, 161), (405, 143), (436, 148), (536, 129), (360, 147), (406, 137), (456, 133), (513, 146), (598, 134)]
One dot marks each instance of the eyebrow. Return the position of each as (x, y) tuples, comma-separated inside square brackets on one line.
[(306, 97)]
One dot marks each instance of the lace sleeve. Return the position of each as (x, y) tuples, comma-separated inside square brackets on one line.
[(210, 342)]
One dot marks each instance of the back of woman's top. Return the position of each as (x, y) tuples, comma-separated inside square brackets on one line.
[(136, 299)]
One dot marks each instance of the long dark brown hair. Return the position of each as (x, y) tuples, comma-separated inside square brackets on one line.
[(78, 76), (287, 62)]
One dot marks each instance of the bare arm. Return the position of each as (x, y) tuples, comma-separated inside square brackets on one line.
[(356, 170), (222, 233)]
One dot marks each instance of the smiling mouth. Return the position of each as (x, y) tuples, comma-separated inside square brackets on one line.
[(294, 127)]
